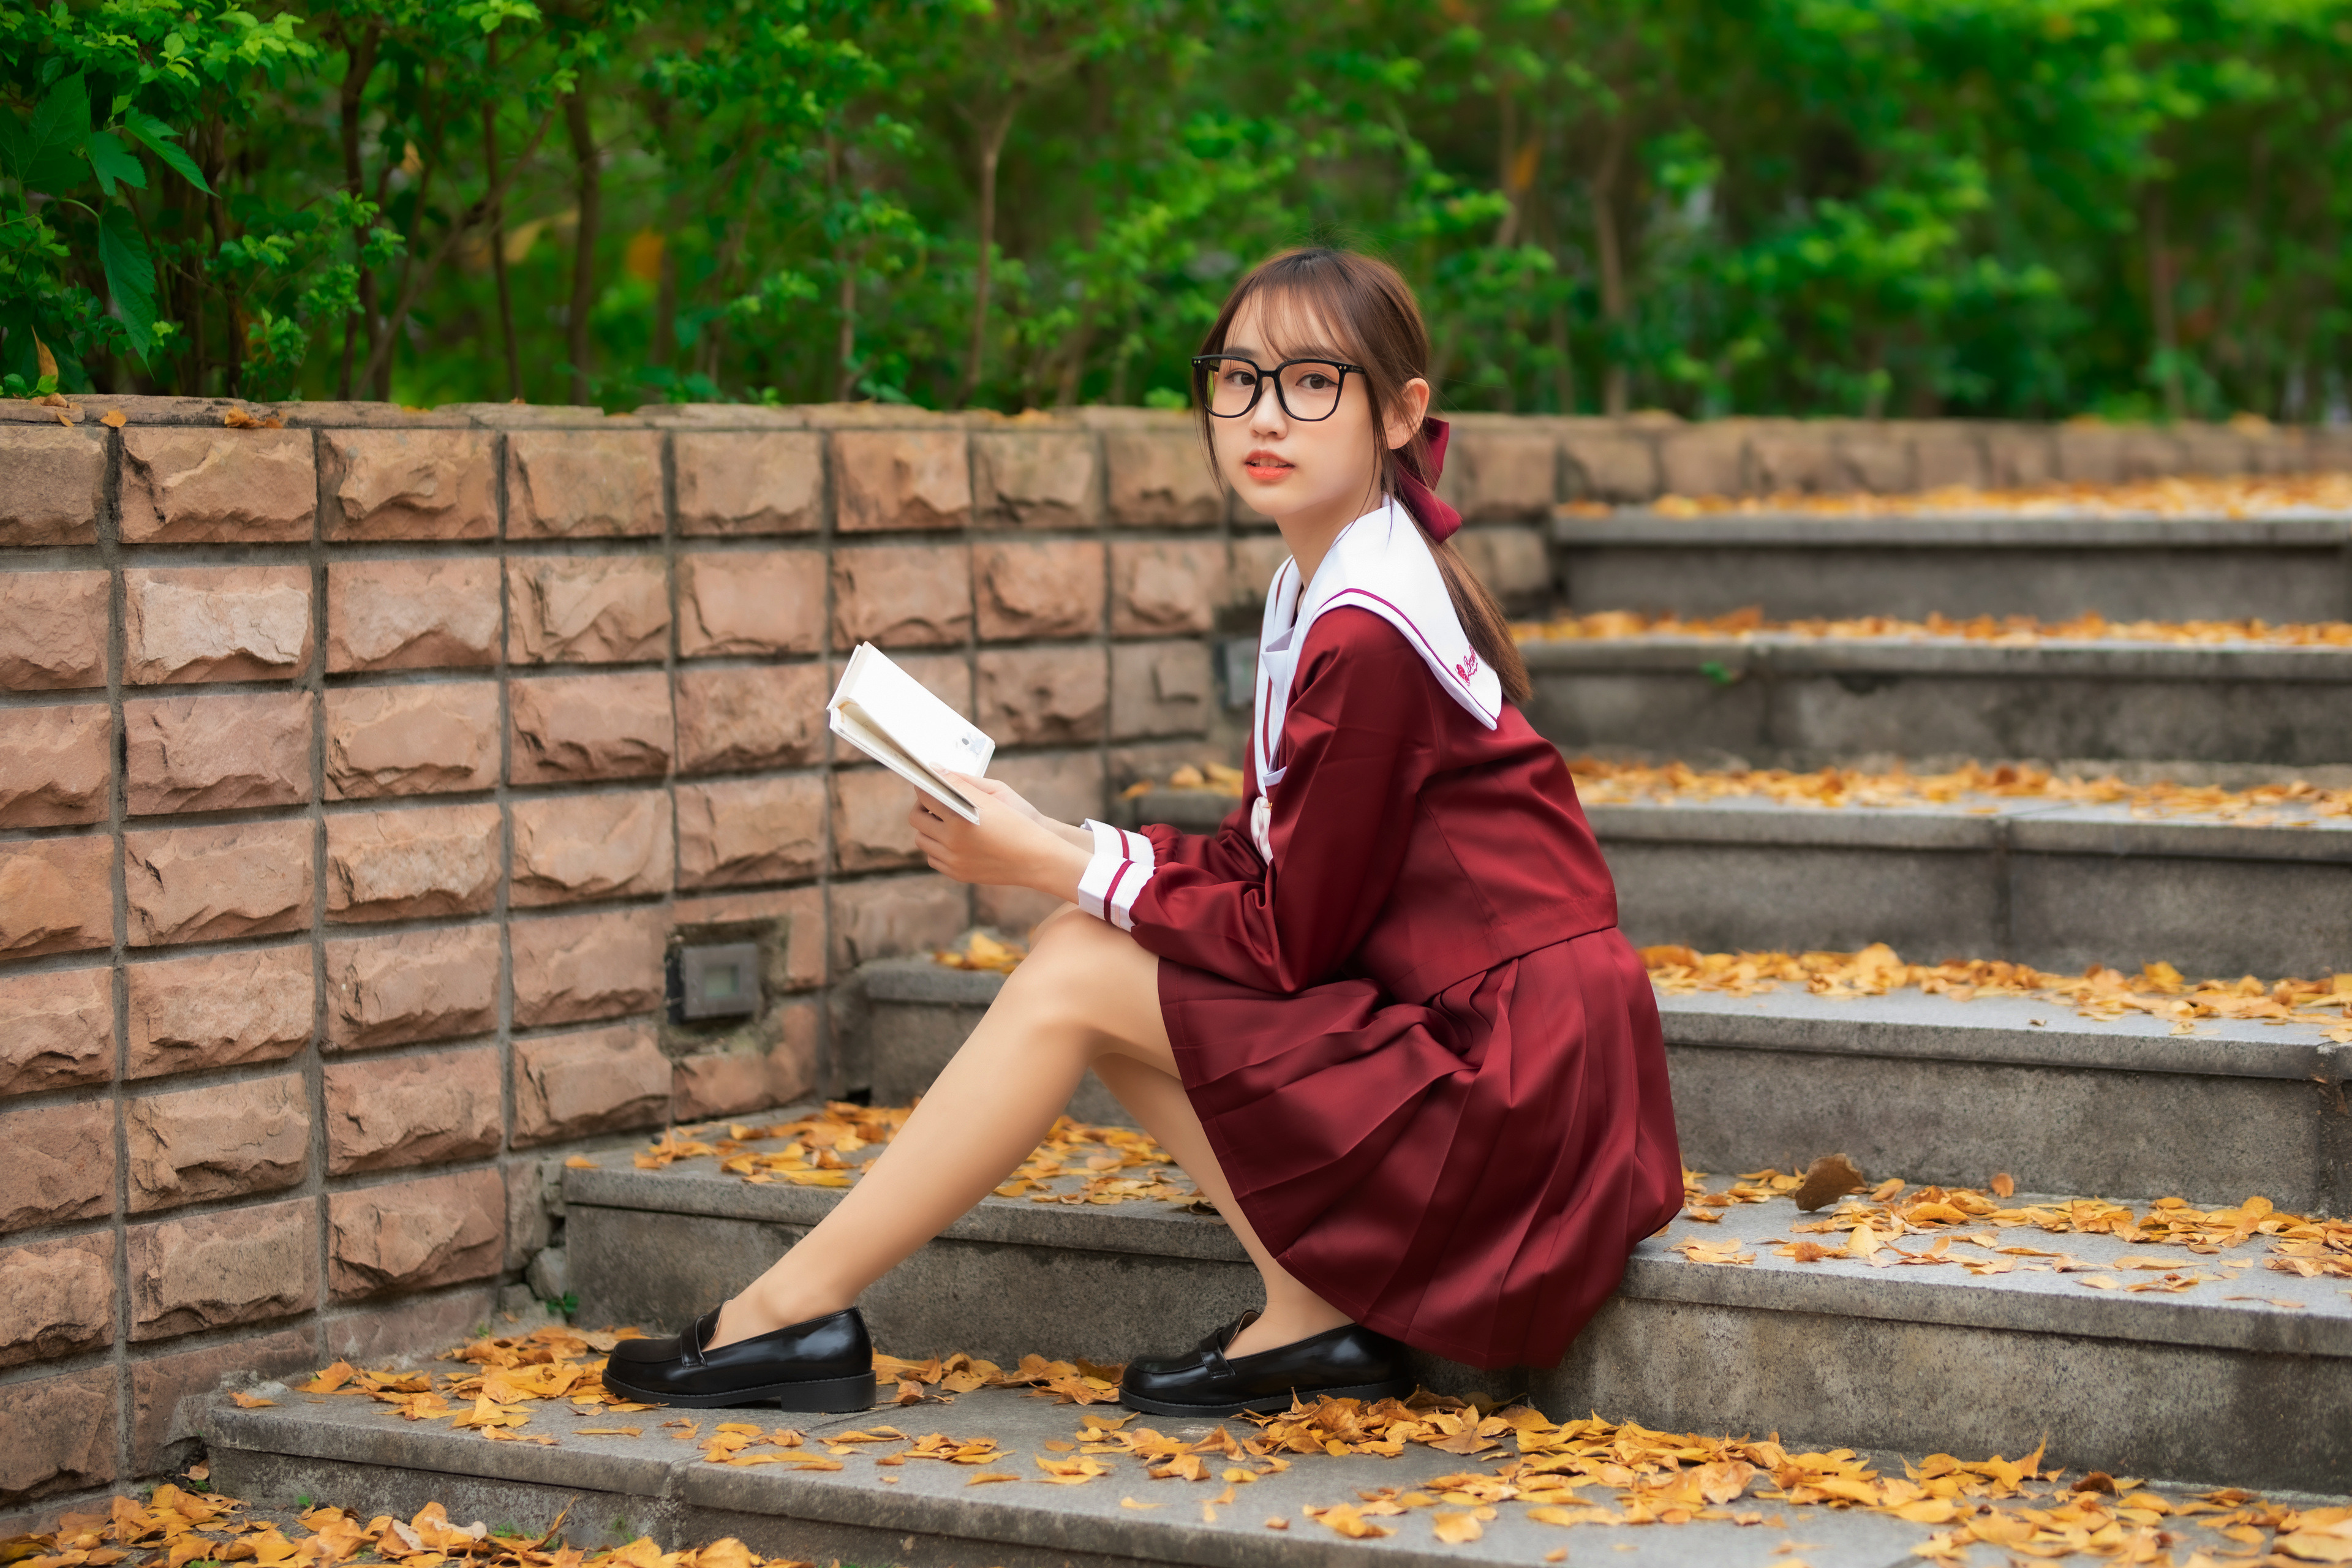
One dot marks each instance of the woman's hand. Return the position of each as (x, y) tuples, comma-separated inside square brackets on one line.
[(1014, 845)]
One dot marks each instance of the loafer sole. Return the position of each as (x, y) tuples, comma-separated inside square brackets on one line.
[(823, 1393), (1366, 1392)]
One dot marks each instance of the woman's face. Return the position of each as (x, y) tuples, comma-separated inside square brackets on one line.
[(1319, 471)]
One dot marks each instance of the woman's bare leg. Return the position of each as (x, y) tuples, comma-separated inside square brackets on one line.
[(1085, 993)]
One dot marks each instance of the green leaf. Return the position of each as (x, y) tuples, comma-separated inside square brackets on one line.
[(159, 140), (111, 161), (130, 274), (44, 153)]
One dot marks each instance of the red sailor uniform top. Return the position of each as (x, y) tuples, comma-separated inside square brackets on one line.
[(1411, 845)]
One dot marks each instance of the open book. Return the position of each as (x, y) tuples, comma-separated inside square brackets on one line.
[(888, 714)]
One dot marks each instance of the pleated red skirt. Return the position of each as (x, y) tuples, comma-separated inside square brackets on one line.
[(1467, 1175)]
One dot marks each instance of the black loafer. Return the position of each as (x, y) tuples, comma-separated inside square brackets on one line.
[(1347, 1363), (825, 1363)]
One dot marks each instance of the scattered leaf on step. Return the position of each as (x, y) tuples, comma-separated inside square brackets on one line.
[(250, 1401), (987, 1476), (1454, 1529), (1827, 1179), (1130, 1502)]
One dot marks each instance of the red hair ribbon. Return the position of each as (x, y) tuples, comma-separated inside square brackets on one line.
[(1416, 489)]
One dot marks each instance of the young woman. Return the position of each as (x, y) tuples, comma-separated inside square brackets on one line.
[(1383, 1018)]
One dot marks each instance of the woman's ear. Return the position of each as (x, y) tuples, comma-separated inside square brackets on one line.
[(1412, 408)]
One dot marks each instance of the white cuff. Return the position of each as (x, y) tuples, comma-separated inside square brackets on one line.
[(1122, 864)]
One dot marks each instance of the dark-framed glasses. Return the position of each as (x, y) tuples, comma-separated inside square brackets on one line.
[(1229, 385)]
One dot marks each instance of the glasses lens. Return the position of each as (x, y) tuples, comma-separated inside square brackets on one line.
[(1310, 389), (1230, 386)]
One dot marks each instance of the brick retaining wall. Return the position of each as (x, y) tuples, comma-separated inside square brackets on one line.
[(355, 775)]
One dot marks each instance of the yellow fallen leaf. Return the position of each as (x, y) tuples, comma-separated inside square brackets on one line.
[(608, 1431), (250, 1401), (1277, 1523), (2314, 1546), (989, 1475), (114, 417), (1454, 1529), (334, 1378), (580, 1162), (1130, 1502), (2100, 1282), (1557, 1554)]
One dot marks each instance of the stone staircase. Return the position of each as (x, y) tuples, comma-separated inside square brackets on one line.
[(2244, 1379)]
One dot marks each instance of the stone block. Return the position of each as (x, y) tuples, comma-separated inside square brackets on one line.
[(409, 484), (1153, 763), (216, 753), (567, 848), (411, 614), (573, 968), (1038, 478), (1944, 453), (413, 864), (873, 830), (574, 728), (894, 479), (1038, 590), (793, 1059), (889, 916), (1159, 689), (1042, 695), (206, 884), (217, 486), (62, 1436), (57, 895), (748, 830), (1251, 564), (60, 1165), (1876, 457), (408, 1235), (1786, 456), (583, 484), (1165, 588), (719, 1083), (384, 741), (2096, 454), (60, 1298), (1511, 561), (56, 485), (166, 1391), (219, 1010), (376, 1334), (749, 482), (734, 720), (53, 630), (2018, 456), (801, 909), (587, 609), (1066, 785), (213, 1271), (1606, 463), (533, 1190), (1704, 460), (901, 595), (1494, 475), (54, 765), (223, 1142), (416, 985), (214, 623), (750, 601), (1016, 911), (383, 1112), (600, 1080), (1162, 478), (60, 1030)]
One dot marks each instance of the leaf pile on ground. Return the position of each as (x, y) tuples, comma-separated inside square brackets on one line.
[(1962, 1227), (2276, 495), (2008, 631), (1114, 1165), (1215, 778), (176, 1527), (2296, 802), (978, 950), (2101, 993)]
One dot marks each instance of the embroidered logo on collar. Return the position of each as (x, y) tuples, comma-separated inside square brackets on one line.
[(1468, 667)]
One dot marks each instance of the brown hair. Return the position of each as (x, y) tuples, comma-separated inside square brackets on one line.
[(1371, 306)]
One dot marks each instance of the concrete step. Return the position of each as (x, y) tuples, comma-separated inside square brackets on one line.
[(1778, 699), (1836, 1353), (2060, 1101), (1796, 565), (358, 1455), (2056, 886)]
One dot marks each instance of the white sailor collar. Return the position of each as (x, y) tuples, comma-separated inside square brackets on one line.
[(1380, 562)]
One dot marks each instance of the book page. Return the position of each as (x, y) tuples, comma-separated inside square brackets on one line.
[(891, 716)]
